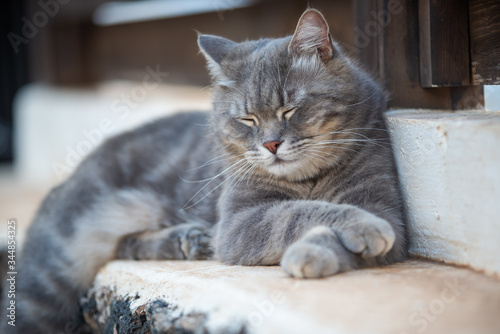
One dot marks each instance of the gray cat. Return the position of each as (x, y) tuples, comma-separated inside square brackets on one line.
[(293, 167)]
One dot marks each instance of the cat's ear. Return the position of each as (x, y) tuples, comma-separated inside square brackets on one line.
[(215, 48), (312, 35)]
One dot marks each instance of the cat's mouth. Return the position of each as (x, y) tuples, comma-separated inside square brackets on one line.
[(281, 161), (287, 168), (282, 166)]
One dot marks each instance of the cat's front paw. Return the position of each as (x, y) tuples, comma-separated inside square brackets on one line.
[(374, 237), (195, 241), (313, 255)]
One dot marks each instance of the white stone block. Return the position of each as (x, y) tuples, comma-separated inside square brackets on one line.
[(449, 167)]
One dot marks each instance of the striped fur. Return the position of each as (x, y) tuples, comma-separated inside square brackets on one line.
[(183, 187)]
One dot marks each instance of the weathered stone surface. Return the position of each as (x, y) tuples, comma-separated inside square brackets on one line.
[(208, 297), (107, 311)]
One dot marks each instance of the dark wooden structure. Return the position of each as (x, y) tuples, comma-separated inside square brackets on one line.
[(425, 54), (433, 54), (444, 43), (484, 30)]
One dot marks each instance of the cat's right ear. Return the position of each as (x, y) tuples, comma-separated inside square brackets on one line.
[(312, 36), (215, 49)]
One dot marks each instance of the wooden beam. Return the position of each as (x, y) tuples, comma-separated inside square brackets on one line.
[(392, 56), (444, 43), (368, 37), (484, 25)]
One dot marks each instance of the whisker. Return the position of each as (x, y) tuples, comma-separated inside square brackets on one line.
[(353, 119), (207, 87), (321, 144), (366, 140), (211, 191), (210, 181), (311, 156), (215, 160), (354, 133), (251, 172), (315, 154), (237, 90), (355, 104), (376, 129), (241, 176), (360, 139), (359, 142)]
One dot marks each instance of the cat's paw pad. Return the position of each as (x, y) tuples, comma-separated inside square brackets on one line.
[(309, 259), (195, 242), (369, 239)]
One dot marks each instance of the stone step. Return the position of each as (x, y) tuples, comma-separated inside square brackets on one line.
[(208, 297)]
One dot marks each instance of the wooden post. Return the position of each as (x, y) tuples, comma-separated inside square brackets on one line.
[(392, 55), (444, 43)]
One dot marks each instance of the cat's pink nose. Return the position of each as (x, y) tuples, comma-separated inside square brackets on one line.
[(272, 146)]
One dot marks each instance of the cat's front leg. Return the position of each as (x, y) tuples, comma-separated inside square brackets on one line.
[(309, 238), (190, 241), (356, 239)]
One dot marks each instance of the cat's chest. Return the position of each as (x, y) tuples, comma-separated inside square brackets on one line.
[(311, 191), (321, 190)]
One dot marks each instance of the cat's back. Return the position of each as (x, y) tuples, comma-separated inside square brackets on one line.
[(148, 157), (159, 134), (127, 159)]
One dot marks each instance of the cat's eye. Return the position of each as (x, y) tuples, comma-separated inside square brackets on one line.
[(285, 115), (248, 121)]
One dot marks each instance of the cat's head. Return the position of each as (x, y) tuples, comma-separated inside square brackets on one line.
[(289, 107)]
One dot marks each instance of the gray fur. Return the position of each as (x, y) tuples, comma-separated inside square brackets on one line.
[(164, 190)]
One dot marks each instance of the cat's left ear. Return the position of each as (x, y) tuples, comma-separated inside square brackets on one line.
[(215, 48), (311, 36)]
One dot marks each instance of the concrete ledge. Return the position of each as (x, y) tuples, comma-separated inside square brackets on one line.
[(207, 297), (449, 167)]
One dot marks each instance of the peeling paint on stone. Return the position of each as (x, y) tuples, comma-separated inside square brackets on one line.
[(107, 312)]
